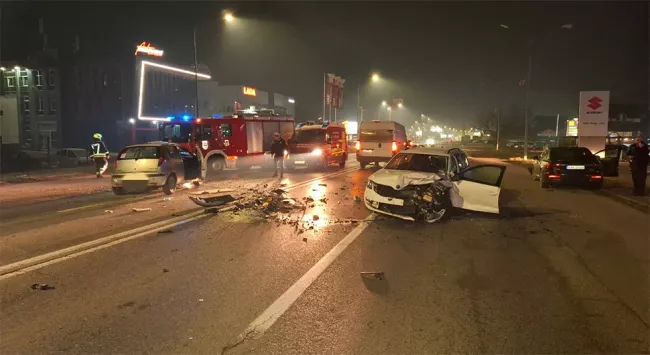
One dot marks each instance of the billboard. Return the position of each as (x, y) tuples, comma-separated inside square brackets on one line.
[(572, 128), (593, 113)]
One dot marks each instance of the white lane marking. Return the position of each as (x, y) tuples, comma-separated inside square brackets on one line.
[(10, 269), (265, 320), (40, 261)]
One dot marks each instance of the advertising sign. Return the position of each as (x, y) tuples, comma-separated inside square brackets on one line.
[(338, 103), (148, 49), (329, 86), (572, 128), (593, 113), (249, 91)]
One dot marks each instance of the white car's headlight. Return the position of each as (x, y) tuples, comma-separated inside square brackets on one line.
[(317, 152), (371, 185)]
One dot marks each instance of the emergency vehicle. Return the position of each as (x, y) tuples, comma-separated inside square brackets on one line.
[(240, 140), (318, 145)]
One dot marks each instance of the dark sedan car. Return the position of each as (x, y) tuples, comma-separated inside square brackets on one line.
[(568, 166)]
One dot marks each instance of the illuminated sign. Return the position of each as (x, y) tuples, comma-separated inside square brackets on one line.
[(148, 49), (249, 91), (178, 71)]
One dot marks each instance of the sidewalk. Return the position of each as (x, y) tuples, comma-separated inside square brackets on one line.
[(53, 174), (620, 188)]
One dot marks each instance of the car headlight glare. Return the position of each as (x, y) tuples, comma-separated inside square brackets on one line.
[(371, 185), (317, 152)]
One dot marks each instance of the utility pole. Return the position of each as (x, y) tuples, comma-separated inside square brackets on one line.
[(530, 64), (196, 76), (557, 128), (498, 112), (359, 109)]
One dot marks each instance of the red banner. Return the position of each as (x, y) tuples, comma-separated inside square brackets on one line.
[(339, 102)]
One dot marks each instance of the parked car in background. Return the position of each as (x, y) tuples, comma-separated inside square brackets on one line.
[(575, 166), (154, 165), (69, 157)]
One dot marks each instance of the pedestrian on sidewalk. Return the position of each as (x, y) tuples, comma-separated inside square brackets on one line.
[(278, 148), (638, 157), (99, 153)]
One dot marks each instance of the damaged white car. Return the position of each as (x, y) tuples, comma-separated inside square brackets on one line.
[(424, 183)]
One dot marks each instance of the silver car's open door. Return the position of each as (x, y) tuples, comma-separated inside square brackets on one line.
[(479, 187)]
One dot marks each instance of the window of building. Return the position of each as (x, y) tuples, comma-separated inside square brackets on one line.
[(39, 105), (27, 132), (53, 105), (11, 81), (38, 78), (51, 79), (105, 80), (24, 78), (26, 104)]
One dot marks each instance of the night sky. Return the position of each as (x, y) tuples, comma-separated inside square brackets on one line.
[(450, 60)]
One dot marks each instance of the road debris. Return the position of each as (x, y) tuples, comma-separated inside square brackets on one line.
[(164, 231), (374, 275), (42, 287), (108, 211), (324, 185), (315, 217), (357, 199), (145, 209), (212, 201), (304, 239), (168, 198), (212, 192), (165, 270)]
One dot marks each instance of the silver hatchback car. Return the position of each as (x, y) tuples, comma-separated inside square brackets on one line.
[(154, 165)]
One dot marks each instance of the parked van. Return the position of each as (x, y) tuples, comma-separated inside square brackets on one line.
[(379, 141)]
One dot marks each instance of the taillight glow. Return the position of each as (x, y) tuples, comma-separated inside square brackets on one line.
[(357, 145), (596, 177), (394, 146), (553, 176)]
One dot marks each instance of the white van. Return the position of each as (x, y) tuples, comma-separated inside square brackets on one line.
[(379, 141)]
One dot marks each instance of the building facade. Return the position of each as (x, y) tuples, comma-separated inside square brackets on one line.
[(37, 94), (216, 100)]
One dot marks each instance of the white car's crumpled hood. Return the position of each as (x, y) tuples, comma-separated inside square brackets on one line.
[(399, 179)]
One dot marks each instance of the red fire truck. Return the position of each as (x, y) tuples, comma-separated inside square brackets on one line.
[(240, 140)]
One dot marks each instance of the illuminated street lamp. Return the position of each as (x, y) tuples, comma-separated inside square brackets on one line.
[(400, 105), (2, 69), (228, 17), (375, 77), (16, 68), (383, 103), (132, 120)]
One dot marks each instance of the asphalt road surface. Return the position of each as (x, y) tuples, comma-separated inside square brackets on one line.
[(559, 271)]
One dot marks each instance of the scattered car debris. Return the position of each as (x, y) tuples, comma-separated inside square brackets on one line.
[(42, 287), (165, 231), (145, 209), (374, 275), (324, 185), (168, 198), (315, 217), (212, 192), (357, 199), (165, 270), (304, 239), (200, 299), (212, 201), (108, 211), (279, 191)]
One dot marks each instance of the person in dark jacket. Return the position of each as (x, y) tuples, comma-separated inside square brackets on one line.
[(278, 148), (99, 153), (638, 156)]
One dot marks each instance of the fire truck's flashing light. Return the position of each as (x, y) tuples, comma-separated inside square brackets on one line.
[(325, 124), (170, 118), (186, 117), (198, 120)]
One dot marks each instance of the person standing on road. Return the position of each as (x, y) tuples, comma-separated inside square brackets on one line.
[(278, 148), (99, 153), (638, 156)]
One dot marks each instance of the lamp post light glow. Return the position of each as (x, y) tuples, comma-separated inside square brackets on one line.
[(16, 68), (228, 17), (2, 69), (383, 103), (132, 120), (400, 105), (375, 77)]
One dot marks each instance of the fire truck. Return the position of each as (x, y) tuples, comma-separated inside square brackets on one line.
[(240, 140), (318, 145)]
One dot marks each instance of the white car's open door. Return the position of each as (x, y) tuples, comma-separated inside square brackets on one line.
[(479, 187)]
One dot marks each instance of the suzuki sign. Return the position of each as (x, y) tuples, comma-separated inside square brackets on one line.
[(594, 113)]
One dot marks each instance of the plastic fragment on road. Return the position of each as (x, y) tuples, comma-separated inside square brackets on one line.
[(324, 185), (108, 211), (137, 209), (164, 231), (42, 287), (212, 201), (279, 191), (165, 270), (304, 239), (374, 275), (211, 192), (168, 198), (200, 299)]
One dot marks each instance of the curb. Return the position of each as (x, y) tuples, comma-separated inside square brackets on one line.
[(628, 201)]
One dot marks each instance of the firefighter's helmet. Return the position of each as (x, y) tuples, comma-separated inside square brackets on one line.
[(97, 136)]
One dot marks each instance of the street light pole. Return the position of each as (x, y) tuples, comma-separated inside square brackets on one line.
[(359, 112), (196, 76), (528, 76)]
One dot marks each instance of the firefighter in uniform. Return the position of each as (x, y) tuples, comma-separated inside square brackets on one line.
[(99, 153)]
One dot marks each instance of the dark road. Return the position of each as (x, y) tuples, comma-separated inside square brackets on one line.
[(559, 271)]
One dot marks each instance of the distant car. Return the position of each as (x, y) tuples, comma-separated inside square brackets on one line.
[(72, 156), (154, 165), (575, 166), (422, 183)]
